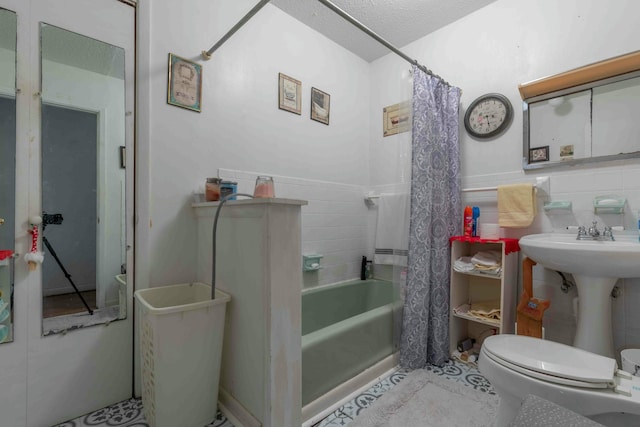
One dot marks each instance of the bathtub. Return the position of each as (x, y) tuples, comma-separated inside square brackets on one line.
[(346, 328)]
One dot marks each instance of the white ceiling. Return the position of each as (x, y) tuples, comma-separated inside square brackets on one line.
[(399, 22)]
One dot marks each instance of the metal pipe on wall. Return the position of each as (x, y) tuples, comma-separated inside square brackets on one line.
[(207, 54)]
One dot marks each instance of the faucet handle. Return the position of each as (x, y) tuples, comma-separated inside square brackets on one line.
[(582, 232), (608, 233)]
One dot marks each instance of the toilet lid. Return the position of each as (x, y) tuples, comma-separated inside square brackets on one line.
[(556, 362)]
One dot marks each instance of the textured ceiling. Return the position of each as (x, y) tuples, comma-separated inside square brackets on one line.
[(400, 22)]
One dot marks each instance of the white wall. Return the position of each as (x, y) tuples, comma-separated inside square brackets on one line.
[(240, 126), (515, 41), (390, 156)]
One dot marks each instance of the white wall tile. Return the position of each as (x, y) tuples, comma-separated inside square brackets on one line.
[(335, 223)]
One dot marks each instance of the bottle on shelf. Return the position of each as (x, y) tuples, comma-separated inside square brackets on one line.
[(476, 214), (468, 222)]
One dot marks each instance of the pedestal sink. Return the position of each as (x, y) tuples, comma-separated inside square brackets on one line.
[(595, 266)]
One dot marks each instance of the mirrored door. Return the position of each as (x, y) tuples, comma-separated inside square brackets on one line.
[(73, 129)]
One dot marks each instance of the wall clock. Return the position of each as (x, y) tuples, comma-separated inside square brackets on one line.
[(488, 115)]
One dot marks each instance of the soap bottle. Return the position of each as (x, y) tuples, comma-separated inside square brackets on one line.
[(468, 222), (476, 215)]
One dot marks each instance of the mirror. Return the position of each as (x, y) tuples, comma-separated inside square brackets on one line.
[(569, 119), (8, 31), (83, 181)]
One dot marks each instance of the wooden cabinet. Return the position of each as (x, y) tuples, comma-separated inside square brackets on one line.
[(476, 287)]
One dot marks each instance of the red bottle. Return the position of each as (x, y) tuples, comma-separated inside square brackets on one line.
[(468, 221)]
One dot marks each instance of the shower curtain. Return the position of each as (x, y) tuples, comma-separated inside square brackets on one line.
[(436, 214)]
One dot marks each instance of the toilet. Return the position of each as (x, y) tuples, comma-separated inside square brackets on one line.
[(581, 381)]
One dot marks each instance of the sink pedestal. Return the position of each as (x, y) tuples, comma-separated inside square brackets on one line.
[(594, 332), (596, 265)]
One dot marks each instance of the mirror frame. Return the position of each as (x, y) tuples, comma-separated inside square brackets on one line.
[(597, 74)]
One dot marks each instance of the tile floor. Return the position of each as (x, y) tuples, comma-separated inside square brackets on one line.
[(453, 370), (129, 412)]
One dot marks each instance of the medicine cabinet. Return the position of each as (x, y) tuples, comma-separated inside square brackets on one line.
[(584, 115)]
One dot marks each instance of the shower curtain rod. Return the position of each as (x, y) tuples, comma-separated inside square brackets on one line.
[(207, 54), (379, 39)]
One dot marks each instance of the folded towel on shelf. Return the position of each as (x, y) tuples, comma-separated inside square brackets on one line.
[(463, 264), (516, 205), (487, 262), (486, 309), (488, 258), (392, 230), (462, 309), (494, 270)]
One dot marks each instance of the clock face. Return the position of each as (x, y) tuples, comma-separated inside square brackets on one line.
[(488, 115)]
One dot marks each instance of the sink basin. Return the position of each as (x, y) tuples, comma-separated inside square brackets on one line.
[(596, 266), (563, 252)]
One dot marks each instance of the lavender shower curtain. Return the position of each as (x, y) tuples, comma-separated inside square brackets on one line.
[(436, 214)]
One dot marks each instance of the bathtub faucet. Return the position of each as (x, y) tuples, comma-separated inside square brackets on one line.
[(365, 268)]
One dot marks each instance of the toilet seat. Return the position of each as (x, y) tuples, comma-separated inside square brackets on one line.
[(551, 361)]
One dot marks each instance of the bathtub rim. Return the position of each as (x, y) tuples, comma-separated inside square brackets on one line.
[(355, 281)]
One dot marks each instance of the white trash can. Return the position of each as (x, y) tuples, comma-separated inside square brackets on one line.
[(631, 361), (181, 334)]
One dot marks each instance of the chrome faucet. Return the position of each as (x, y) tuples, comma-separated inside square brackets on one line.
[(594, 234), (582, 233), (607, 234)]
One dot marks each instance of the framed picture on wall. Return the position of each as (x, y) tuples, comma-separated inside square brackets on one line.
[(539, 154), (320, 104), (396, 118), (289, 94), (184, 88)]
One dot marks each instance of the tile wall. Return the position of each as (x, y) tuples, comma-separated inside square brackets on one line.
[(337, 223), (580, 185)]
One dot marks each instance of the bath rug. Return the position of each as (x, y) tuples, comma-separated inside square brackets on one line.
[(426, 399)]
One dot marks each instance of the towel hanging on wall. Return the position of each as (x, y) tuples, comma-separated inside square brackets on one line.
[(392, 230), (516, 205)]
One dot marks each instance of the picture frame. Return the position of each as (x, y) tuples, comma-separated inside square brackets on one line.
[(289, 94), (184, 86), (539, 154), (320, 106), (396, 118), (566, 152)]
